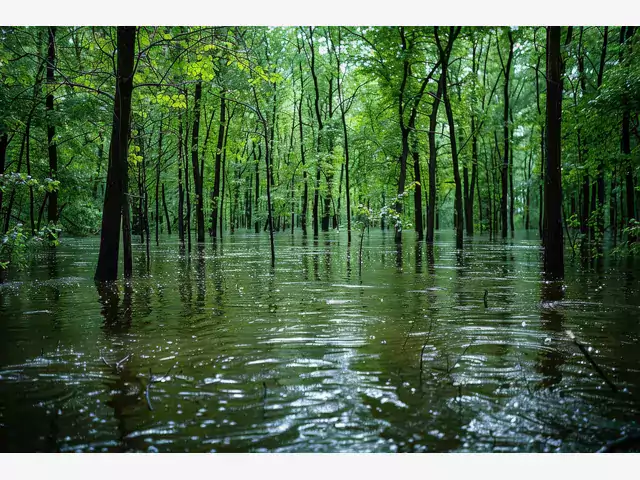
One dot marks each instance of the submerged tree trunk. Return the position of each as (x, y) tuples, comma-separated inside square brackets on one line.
[(52, 211), (166, 211), (444, 58), (4, 143), (433, 154), (197, 174), (626, 141), (215, 194), (116, 202), (600, 179), (554, 244), (505, 154), (157, 210), (305, 191)]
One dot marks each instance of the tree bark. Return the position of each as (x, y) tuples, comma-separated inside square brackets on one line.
[(166, 211), (505, 155), (554, 244), (433, 156), (305, 191), (197, 174), (52, 211), (444, 58), (116, 202)]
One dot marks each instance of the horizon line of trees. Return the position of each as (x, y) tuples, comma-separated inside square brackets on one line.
[(198, 130)]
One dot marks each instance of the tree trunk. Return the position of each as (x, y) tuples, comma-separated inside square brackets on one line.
[(314, 76), (157, 211), (4, 143), (180, 185), (52, 211), (116, 203), (417, 193), (626, 141), (505, 155), (600, 179), (197, 174), (166, 211), (433, 156), (444, 56), (215, 195), (554, 244), (305, 191)]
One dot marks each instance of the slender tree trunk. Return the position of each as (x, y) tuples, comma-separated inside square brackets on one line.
[(166, 211), (7, 218), (52, 212), (314, 76), (505, 155), (305, 191), (433, 156), (28, 156), (257, 191), (157, 216), (626, 141), (417, 193), (180, 185), (215, 195), (116, 202), (554, 244), (444, 58), (197, 175), (600, 179), (4, 143)]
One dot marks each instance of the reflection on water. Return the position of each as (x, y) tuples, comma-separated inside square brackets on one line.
[(215, 351)]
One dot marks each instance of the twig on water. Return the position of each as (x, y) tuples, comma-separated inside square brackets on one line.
[(423, 347), (153, 380), (486, 294), (459, 358), (592, 361), (116, 366), (623, 444)]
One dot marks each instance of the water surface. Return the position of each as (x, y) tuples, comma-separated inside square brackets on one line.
[(318, 356)]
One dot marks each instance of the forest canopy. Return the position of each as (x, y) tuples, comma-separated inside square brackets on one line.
[(200, 131)]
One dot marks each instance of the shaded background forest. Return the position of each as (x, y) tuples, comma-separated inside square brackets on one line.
[(401, 127)]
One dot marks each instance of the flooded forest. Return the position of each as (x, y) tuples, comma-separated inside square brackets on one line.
[(319, 239)]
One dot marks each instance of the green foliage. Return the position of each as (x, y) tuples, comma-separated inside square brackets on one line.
[(17, 247)]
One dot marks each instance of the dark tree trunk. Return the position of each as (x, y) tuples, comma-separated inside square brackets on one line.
[(166, 211), (197, 174), (180, 185), (433, 155), (28, 156), (52, 211), (7, 218), (600, 179), (444, 58), (215, 195), (626, 140), (4, 143), (314, 76), (506, 136), (223, 180), (554, 244), (305, 191), (116, 202), (157, 211), (417, 193), (257, 191)]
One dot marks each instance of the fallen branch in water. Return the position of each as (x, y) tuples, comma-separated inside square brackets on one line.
[(423, 347), (592, 361), (623, 444), (459, 358), (116, 366), (486, 294), (153, 380)]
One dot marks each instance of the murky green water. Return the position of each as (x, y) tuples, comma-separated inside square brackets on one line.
[(317, 357)]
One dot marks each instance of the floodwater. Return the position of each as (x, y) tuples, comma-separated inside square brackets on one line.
[(217, 353)]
